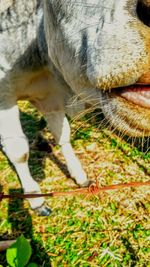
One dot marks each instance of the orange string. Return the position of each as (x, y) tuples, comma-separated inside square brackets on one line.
[(93, 189)]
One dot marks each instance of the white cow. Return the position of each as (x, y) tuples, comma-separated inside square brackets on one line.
[(51, 50)]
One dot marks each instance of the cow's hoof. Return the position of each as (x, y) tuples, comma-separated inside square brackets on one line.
[(87, 183), (43, 211)]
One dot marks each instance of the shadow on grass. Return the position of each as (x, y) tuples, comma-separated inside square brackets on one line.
[(40, 148), (131, 250), (21, 223)]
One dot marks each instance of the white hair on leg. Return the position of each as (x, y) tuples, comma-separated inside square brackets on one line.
[(59, 126), (16, 147)]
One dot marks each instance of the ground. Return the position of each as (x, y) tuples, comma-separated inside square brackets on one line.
[(110, 229)]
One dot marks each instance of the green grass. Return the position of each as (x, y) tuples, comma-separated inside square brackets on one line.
[(111, 229)]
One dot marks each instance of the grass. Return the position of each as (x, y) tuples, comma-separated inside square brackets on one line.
[(111, 229)]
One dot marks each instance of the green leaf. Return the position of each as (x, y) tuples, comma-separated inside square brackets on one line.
[(11, 255), (19, 253), (32, 265)]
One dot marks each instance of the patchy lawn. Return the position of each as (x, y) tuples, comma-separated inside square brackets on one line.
[(111, 229)]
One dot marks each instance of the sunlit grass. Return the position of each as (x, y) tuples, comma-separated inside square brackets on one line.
[(112, 229)]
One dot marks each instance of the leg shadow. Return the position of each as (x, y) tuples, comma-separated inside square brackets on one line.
[(40, 148), (21, 223)]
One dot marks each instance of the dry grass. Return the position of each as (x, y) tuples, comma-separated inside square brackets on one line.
[(112, 229)]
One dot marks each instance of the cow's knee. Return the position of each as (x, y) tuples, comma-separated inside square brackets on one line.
[(16, 149)]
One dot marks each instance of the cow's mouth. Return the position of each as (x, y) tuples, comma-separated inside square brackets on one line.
[(128, 108), (138, 93)]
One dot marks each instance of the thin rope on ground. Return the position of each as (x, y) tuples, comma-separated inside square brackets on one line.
[(93, 189)]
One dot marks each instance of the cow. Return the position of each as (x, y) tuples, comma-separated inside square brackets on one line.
[(53, 51)]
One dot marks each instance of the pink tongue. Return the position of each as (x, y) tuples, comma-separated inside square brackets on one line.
[(139, 95)]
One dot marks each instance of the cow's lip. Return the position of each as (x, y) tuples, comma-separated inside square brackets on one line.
[(138, 94)]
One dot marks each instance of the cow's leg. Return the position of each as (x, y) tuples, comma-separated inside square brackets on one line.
[(15, 145), (59, 127)]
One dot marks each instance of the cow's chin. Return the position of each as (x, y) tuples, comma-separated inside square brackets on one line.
[(128, 109)]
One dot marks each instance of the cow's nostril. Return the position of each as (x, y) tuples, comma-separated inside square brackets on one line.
[(143, 11)]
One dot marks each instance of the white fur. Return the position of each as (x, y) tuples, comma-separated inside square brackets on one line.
[(16, 147), (59, 126)]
